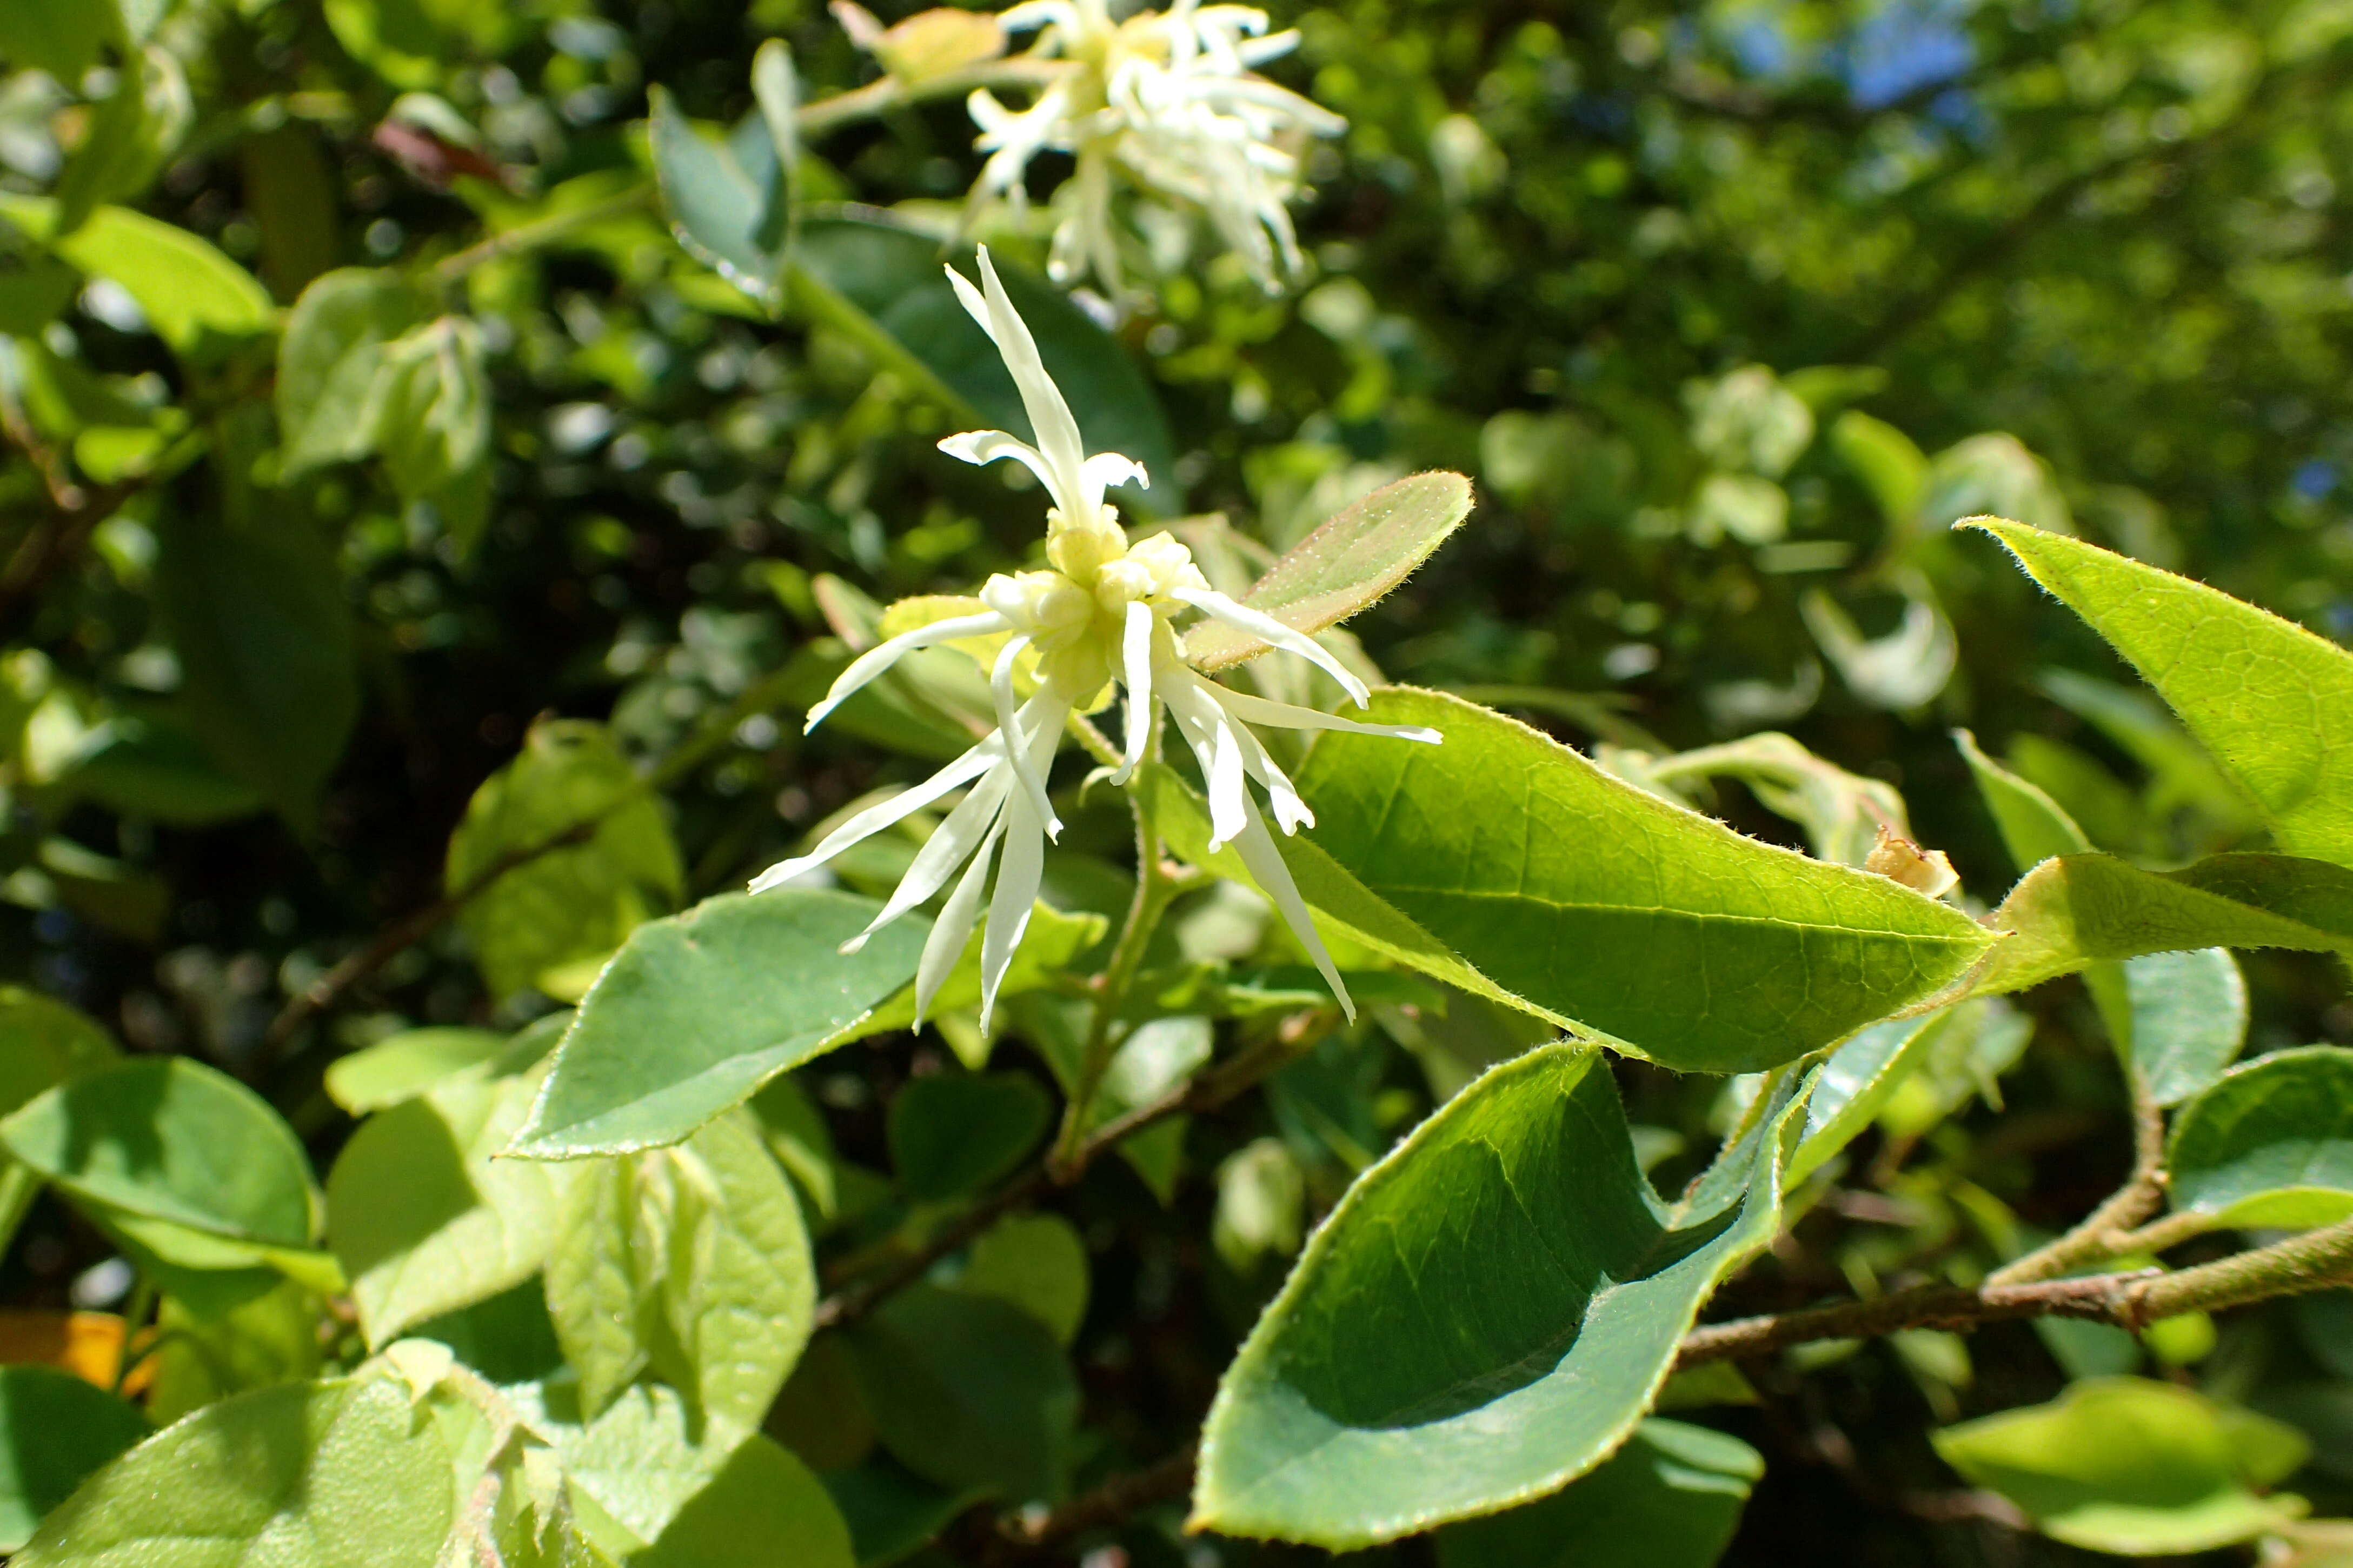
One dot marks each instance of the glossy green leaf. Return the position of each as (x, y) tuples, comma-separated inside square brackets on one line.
[(763, 1507), (540, 922), (1037, 1262), (969, 1392), (327, 1475), (1671, 1498), (2131, 1466), (331, 363), (691, 1264), (699, 1010), (2271, 701), (44, 1042), (1347, 565), (883, 284), (1856, 1081), (1596, 904), (2271, 1144), (406, 1064), (197, 299), (953, 1133), (254, 603), (2072, 912), (423, 1220), (1487, 1316), (55, 1430), (2189, 1018), (169, 1139)]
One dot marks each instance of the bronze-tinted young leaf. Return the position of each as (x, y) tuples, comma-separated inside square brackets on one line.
[(1348, 564)]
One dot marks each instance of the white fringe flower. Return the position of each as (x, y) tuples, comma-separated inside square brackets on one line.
[(1169, 100), (1103, 613)]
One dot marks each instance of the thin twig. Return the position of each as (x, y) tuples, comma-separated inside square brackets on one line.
[(1108, 1503), (2108, 1231)]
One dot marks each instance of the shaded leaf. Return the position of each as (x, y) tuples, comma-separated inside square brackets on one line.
[(197, 299), (55, 1430), (1485, 1317), (969, 1392), (763, 1507), (1037, 1262), (406, 1064), (953, 1133), (1671, 1498), (331, 363), (2271, 1144)]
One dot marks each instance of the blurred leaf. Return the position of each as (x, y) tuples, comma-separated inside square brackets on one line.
[(273, 1338), (687, 1263), (2131, 1466), (1037, 1262), (59, 36), (197, 299), (332, 369), (340, 1467), (1901, 671), (435, 423), (1262, 1204), (407, 41), (958, 1133), (1671, 1498), (796, 1133), (2269, 1144), (406, 1064), (44, 1042), (969, 1392), (1885, 460), (422, 1217), (131, 134), (255, 610), (892, 1510), (1487, 1316), (149, 766), (729, 201), (55, 1430), (2271, 702), (34, 291), (883, 284), (699, 1009), (2180, 772), (579, 902), (1591, 900), (1346, 565)]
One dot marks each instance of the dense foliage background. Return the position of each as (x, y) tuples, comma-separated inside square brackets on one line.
[(1726, 309)]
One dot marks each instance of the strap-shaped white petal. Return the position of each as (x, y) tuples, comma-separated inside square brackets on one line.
[(1057, 433), (1269, 630), (973, 822), (944, 946), (1033, 782), (890, 813), (1136, 648), (1104, 469), (1019, 873), (869, 665), (1255, 710), (980, 447), (1268, 870)]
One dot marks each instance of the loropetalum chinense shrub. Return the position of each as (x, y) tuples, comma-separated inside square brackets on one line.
[(1507, 1151)]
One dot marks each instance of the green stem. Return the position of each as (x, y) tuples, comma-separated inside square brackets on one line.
[(1155, 889), (2315, 1261), (530, 236), (2108, 1231), (878, 98)]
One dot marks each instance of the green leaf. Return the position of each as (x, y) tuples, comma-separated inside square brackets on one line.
[(1885, 460), (1347, 565), (326, 1475), (636, 1464), (1588, 901), (969, 1392), (1671, 1498), (2131, 1466), (568, 908), (883, 284), (149, 766), (1037, 1262), (763, 1507), (2033, 827), (699, 1010), (689, 1263), (2269, 700), (131, 134), (331, 363), (406, 1064), (435, 423), (2189, 1019), (60, 36), (255, 606), (273, 1338), (55, 1430), (1485, 1317), (422, 1217), (2269, 1144), (43, 1042), (1857, 1079), (197, 300), (2070, 912), (953, 1133), (891, 1510), (169, 1139), (729, 201)]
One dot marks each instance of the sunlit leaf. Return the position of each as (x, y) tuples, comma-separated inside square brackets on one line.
[(1671, 1498), (2271, 1144)]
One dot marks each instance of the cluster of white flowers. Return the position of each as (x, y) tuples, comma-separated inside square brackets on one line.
[(1168, 99), (1101, 613)]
